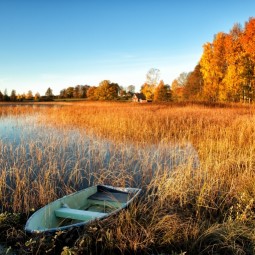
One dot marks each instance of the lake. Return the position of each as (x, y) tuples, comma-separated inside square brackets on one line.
[(40, 162)]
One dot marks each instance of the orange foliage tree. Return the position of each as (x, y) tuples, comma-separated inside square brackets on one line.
[(213, 68), (232, 89), (194, 84), (228, 65), (162, 92)]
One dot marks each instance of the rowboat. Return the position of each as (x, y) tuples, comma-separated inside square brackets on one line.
[(80, 208)]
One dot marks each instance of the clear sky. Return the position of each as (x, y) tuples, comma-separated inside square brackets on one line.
[(62, 43)]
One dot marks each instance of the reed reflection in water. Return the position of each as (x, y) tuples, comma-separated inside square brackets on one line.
[(39, 163)]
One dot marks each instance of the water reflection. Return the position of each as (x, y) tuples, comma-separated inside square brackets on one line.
[(73, 159), (75, 145)]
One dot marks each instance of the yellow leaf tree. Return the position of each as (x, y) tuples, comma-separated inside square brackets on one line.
[(213, 67), (162, 93), (234, 57)]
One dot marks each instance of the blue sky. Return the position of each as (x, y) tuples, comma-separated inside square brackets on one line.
[(62, 43)]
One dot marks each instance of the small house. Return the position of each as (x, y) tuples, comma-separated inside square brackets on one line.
[(139, 98)]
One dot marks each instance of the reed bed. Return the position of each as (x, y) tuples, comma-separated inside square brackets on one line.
[(195, 164)]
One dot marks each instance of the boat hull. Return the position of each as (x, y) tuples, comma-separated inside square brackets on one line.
[(80, 208)]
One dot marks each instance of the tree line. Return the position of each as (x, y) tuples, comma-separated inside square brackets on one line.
[(13, 97), (106, 90), (224, 73)]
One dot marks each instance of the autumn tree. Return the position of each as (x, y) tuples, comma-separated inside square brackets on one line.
[(219, 65), (152, 79), (162, 92), (69, 92), (83, 91), (79, 91), (92, 93), (174, 87), (37, 96), (76, 91), (248, 38), (233, 80), (248, 43), (113, 91), (194, 85), (105, 91), (213, 67), (29, 95), (62, 93), (178, 86), (148, 91), (228, 65), (102, 91), (21, 97)]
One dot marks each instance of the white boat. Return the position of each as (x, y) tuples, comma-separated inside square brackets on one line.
[(81, 208)]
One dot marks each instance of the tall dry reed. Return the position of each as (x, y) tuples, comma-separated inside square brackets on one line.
[(184, 208)]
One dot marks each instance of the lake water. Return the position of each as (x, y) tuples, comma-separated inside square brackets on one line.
[(74, 159), (26, 130)]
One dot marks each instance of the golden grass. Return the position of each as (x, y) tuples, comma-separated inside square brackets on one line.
[(198, 211)]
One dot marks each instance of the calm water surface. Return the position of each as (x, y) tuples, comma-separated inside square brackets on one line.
[(25, 139)]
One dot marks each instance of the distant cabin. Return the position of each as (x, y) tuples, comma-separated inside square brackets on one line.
[(139, 98)]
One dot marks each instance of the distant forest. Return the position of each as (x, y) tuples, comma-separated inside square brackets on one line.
[(225, 73)]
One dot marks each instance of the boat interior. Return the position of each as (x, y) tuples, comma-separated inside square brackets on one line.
[(98, 205)]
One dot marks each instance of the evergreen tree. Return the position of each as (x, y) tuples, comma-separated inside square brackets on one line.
[(1, 96), (13, 97), (49, 94)]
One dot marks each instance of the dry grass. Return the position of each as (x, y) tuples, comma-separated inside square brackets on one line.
[(206, 210)]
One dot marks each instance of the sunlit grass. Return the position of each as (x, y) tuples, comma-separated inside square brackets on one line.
[(198, 210)]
